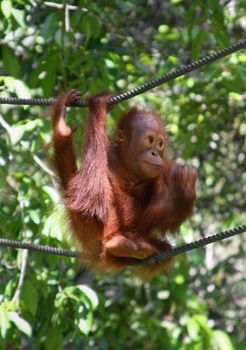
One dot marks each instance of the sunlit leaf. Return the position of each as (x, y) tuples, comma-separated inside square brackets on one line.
[(84, 326), (192, 328), (17, 133), (4, 321), (20, 323), (91, 295), (19, 16), (17, 86), (52, 193), (222, 341), (6, 7), (35, 216)]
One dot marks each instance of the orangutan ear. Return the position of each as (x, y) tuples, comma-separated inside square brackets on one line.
[(119, 136)]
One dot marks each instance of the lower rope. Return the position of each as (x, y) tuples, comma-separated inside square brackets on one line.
[(151, 260), (38, 248)]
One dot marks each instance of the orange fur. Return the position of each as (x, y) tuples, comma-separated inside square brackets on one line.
[(114, 215)]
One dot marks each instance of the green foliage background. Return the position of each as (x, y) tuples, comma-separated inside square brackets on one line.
[(48, 302)]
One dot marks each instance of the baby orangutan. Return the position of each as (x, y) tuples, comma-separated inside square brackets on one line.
[(127, 194)]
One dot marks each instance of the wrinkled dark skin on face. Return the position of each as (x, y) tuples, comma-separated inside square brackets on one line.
[(127, 194)]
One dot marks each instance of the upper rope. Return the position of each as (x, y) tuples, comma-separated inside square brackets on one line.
[(142, 88)]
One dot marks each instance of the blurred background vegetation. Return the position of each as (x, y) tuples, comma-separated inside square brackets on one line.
[(48, 302)]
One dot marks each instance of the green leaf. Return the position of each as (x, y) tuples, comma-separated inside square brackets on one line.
[(20, 323), (4, 321), (236, 97), (90, 26), (203, 323), (55, 226), (85, 324), (222, 341), (163, 294), (6, 7), (16, 133), (29, 297), (179, 279), (49, 26), (90, 294), (50, 73), (192, 328), (52, 193), (54, 339), (94, 23), (85, 26), (32, 125), (35, 216), (17, 86), (197, 43), (10, 61), (19, 16)]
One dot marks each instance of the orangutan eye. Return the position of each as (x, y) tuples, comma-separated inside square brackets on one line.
[(150, 139), (161, 145)]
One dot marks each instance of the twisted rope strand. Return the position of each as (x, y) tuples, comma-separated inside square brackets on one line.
[(153, 259), (179, 72), (11, 243), (142, 88)]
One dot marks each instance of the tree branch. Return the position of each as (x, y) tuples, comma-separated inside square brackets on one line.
[(62, 6)]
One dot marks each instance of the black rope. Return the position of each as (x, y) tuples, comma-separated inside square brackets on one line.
[(38, 248), (142, 88), (153, 259)]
